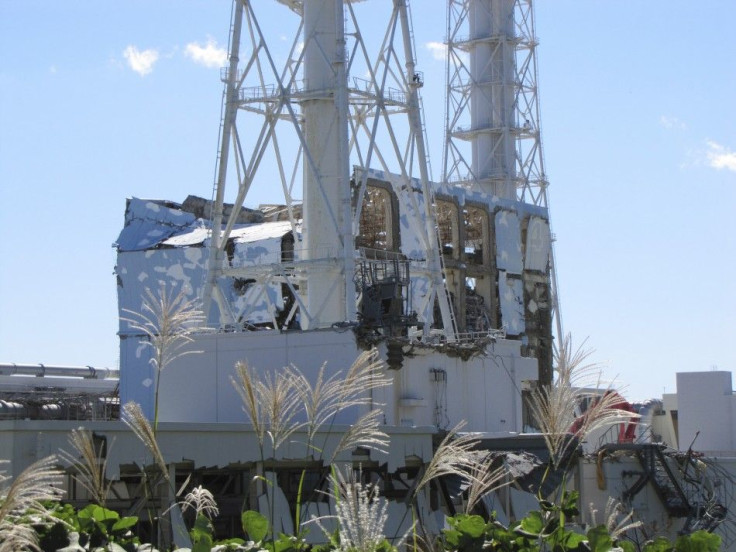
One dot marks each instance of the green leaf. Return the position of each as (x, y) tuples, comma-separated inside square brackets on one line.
[(255, 525), (569, 505), (202, 528), (125, 523), (547, 506), (204, 544), (565, 539), (235, 541), (627, 546), (103, 514), (699, 541), (86, 519), (385, 546), (285, 543), (660, 544), (467, 533), (327, 547), (473, 526), (599, 539), (532, 524), (298, 513)]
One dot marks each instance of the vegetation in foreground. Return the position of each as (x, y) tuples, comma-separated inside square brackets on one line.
[(33, 515)]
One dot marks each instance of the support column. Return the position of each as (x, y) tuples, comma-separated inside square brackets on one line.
[(327, 209), (492, 110)]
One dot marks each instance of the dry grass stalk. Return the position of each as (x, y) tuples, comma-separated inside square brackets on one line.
[(365, 432), (201, 501), (168, 321), (323, 399), (319, 399), (246, 385), (554, 406), (616, 525), (280, 402), (365, 374), (453, 457), (273, 400), (90, 471), (24, 496), (361, 515), (135, 419), (270, 402), (485, 477)]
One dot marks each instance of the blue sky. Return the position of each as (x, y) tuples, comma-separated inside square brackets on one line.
[(101, 101)]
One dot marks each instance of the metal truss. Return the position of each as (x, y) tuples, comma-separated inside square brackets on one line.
[(512, 134), (266, 145), (513, 72)]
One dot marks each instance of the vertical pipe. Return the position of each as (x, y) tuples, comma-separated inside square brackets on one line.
[(327, 224), (492, 110), (231, 109), (346, 212), (433, 254)]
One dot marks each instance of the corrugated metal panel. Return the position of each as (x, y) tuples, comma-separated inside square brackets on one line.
[(247, 234), (508, 242), (263, 231), (511, 295), (148, 223), (537, 245), (189, 238)]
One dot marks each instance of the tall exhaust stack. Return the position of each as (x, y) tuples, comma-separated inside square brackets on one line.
[(492, 114), (325, 165)]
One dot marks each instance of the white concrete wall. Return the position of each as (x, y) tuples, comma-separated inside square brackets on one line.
[(705, 403), (484, 390)]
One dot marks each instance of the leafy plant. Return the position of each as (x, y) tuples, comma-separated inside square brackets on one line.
[(256, 526), (91, 528)]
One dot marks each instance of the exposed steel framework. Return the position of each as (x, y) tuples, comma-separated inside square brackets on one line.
[(493, 141), (300, 127)]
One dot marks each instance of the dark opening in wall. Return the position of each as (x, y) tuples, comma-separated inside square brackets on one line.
[(475, 222), (447, 226), (376, 224)]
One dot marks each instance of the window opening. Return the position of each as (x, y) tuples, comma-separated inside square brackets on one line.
[(447, 226), (375, 220), (475, 221)]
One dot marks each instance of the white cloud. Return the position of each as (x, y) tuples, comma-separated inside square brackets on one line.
[(140, 61), (720, 157), (669, 122), (437, 49), (209, 55)]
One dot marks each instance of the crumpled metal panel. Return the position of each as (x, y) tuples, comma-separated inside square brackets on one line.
[(508, 242), (246, 234), (261, 231), (255, 303), (197, 236), (162, 243), (257, 252), (511, 296), (419, 291), (148, 223), (180, 268), (536, 254)]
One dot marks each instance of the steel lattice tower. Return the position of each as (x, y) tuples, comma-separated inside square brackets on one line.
[(299, 126), (493, 141)]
